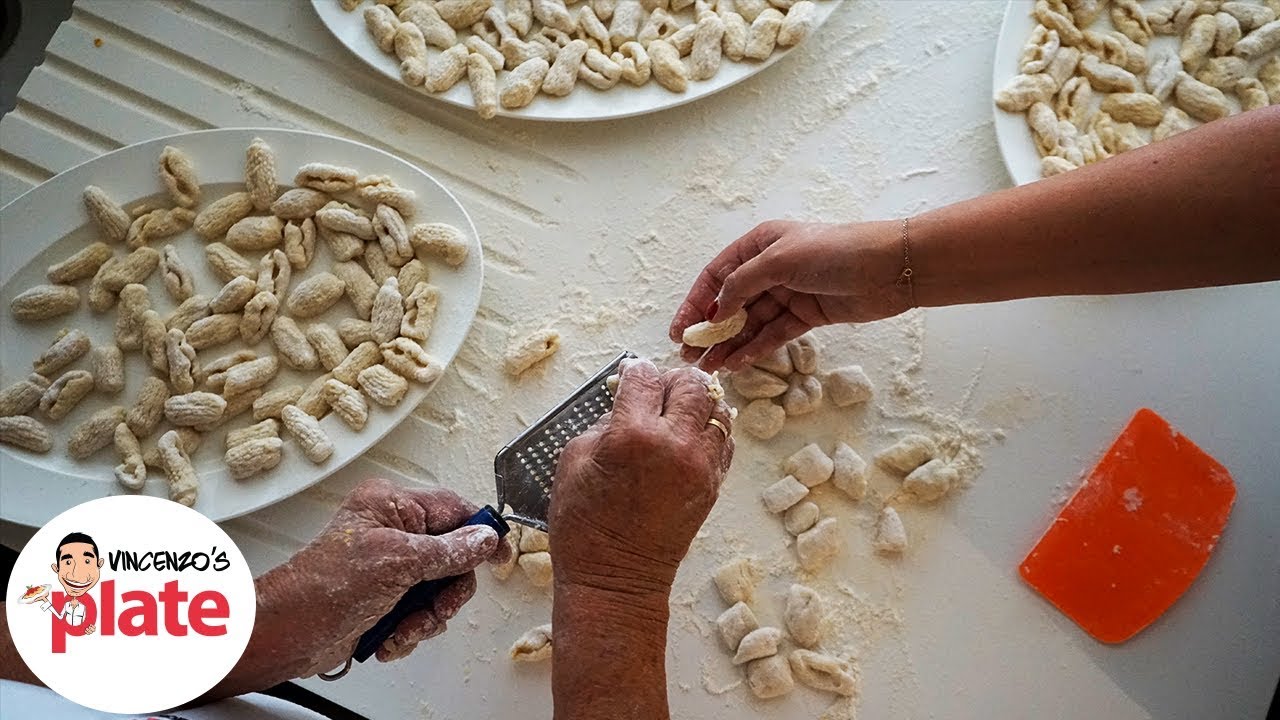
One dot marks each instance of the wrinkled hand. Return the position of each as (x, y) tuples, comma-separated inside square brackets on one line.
[(382, 541), (632, 491), (792, 277)]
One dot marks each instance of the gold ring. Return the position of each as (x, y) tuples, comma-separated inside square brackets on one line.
[(720, 426)]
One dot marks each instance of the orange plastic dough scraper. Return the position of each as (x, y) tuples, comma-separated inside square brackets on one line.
[(1135, 534)]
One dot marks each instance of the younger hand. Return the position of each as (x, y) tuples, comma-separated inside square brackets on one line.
[(383, 540), (89, 630), (792, 277)]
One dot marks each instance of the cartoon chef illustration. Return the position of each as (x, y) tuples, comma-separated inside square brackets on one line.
[(78, 567)]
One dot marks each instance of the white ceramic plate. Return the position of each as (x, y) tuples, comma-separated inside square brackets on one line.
[(584, 103), (1012, 133), (1018, 148), (49, 223)]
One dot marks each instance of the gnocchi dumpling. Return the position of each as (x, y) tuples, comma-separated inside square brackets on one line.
[(736, 580), (533, 646)]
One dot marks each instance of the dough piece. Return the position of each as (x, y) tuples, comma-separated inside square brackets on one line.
[(563, 74), (23, 396), (1200, 101), (1138, 108), (45, 301), (260, 175), (442, 241), (1064, 65), (1107, 77), (849, 473), (483, 79), (1269, 76), (819, 545), (1229, 33), (1174, 122), (1252, 94), (736, 580), (776, 363), (809, 465), (306, 430), (931, 481), (1130, 19), (907, 454), (1163, 73), (83, 264), (754, 384), (534, 540), (68, 347), (1250, 15), (1221, 72), (804, 355), (762, 419), (1023, 91), (770, 677), (1198, 41), (803, 395), (783, 494), (707, 333), (1051, 165), (849, 385), (1259, 42), (708, 36), (533, 646), (537, 567), (524, 354), (736, 623), (759, 643), (112, 221), (65, 393), (522, 83), (891, 534), (803, 616), (179, 177), (800, 517), (824, 672)]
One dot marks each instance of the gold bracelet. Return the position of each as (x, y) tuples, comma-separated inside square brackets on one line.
[(905, 277)]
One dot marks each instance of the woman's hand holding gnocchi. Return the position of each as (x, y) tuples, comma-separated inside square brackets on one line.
[(792, 277), (633, 490)]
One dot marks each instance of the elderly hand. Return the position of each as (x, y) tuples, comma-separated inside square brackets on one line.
[(382, 541), (792, 277), (633, 490)]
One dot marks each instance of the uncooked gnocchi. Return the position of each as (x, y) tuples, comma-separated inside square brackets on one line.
[(1066, 62), (736, 580)]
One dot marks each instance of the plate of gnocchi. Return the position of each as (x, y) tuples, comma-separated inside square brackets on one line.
[(1078, 81), (223, 318), (571, 60)]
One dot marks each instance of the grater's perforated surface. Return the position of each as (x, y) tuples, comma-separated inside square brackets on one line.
[(526, 467)]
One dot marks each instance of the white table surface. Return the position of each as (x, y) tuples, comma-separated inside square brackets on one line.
[(597, 229)]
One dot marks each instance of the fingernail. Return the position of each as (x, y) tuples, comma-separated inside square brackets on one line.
[(712, 309), (481, 539)]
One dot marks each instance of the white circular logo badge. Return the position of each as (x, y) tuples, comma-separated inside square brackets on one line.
[(130, 604)]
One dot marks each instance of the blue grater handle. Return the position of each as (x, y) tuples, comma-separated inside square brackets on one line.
[(420, 596)]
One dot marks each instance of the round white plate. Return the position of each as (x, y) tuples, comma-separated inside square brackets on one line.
[(1012, 134), (1018, 148), (49, 223), (584, 103)]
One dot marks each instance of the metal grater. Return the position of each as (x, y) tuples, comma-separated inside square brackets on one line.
[(525, 468)]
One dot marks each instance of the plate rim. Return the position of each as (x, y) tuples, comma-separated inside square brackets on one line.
[(326, 9), (1010, 132), (22, 509)]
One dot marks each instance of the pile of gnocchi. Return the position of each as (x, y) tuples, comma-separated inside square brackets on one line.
[(1227, 57), (376, 261), (769, 672), (547, 46)]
